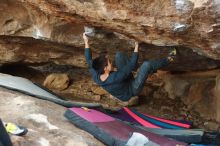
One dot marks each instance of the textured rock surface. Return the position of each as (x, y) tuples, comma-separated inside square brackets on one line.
[(175, 87), (19, 19), (57, 81), (57, 26), (199, 91), (31, 51), (212, 125), (31, 21), (156, 99), (22, 20), (45, 121), (189, 23), (217, 95), (27, 50)]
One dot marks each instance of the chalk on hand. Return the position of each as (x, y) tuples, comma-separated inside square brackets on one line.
[(89, 31)]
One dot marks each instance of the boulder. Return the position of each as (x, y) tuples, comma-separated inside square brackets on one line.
[(175, 87), (30, 51), (199, 91), (186, 22), (45, 122), (57, 81), (32, 35), (115, 101), (36, 32), (99, 91)]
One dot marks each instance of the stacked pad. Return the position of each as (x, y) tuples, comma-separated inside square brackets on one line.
[(109, 130), (170, 128), (138, 118), (132, 117)]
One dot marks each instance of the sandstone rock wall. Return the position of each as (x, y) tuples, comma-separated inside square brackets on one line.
[(60, 23), (189, 23), (45, 121), (199, 91), (37, 32)]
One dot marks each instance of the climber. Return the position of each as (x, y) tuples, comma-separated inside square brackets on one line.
[(121, 83)]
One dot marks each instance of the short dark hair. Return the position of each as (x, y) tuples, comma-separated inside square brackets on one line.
[(99, 63)]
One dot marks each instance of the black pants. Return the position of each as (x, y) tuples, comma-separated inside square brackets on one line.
[(4, 137)]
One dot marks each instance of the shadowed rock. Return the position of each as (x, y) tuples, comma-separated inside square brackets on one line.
[(44, 120), (190, 23)]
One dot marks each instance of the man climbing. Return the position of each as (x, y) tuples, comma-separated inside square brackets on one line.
[(121, 83)]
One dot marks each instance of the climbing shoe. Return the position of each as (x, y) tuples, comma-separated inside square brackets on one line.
[(15, 129), (172, 54)]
